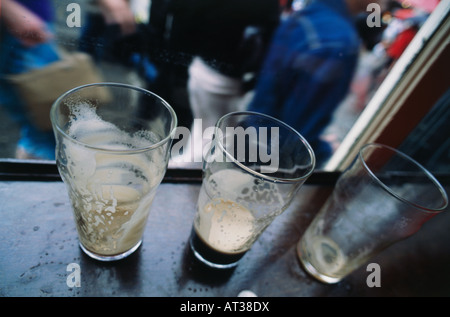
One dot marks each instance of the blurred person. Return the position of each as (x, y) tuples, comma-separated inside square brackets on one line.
[(169, 59), (26, 44), (309, 68), (227, 39), (118, 12), (401, 27), (404, 25), (108, 33)]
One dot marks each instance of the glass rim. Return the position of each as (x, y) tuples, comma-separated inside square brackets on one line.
[(258, 174), (120, 85), (414, 162)]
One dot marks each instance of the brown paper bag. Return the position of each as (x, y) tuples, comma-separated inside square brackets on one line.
[(40, 88)]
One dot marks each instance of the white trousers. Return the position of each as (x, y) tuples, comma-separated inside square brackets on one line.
[(211, 95)]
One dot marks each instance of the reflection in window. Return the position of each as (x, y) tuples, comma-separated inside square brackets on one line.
[(207, 58)]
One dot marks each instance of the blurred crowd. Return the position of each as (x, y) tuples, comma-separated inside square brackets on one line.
[(296, 60)]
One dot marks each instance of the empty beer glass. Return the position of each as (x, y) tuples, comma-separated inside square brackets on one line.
[(253, 169), (383, 197), (112, 151)]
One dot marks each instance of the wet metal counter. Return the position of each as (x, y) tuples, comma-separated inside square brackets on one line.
[(39, 247)]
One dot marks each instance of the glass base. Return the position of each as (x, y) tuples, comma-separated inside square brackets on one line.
[(211, 257), (311, 270), (109, 258)]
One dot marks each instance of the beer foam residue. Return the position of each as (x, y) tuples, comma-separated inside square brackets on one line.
[(86, 126), (229, 227), (111, 192), (328, 255)]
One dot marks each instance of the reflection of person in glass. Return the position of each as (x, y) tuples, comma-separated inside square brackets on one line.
[(25, 45), (309, 67)]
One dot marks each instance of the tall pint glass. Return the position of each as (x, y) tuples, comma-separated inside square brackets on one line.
[(254, 167), (112, 151)]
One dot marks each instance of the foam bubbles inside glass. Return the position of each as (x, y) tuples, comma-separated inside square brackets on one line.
[(112, 151)]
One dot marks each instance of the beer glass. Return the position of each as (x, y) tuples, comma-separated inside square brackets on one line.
[(383, 197), (253, 169), (112, 151)]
